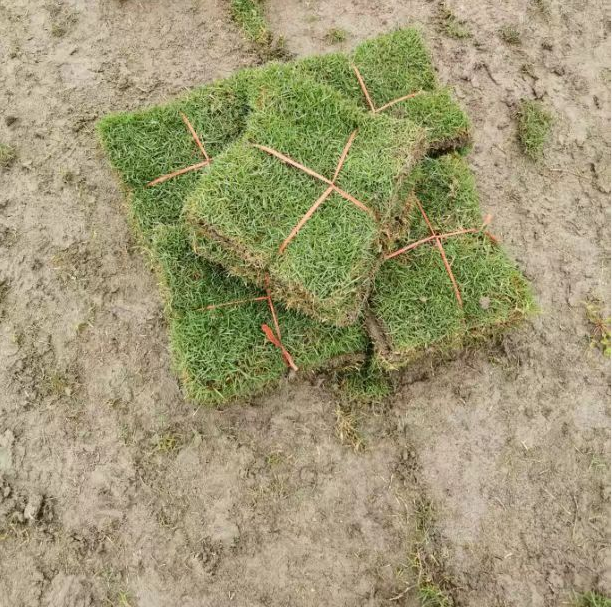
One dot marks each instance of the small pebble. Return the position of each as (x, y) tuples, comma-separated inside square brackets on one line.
[(485, 302)]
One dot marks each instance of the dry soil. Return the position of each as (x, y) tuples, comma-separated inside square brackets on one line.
[(492, 471)]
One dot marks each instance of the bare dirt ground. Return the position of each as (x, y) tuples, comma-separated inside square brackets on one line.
[(493, 469)]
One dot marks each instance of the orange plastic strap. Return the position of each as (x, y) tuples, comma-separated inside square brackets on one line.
[(344, 154), (442, 252), (193, 167), (418, 243), (293, 163), (305, 218), (364, 88), (330, 182), (195, 136), (276, 339), (382, 108), (276, 342), (366, 94)]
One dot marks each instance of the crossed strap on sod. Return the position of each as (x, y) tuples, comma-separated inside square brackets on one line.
[(274, 337), (386, 106), (332, 187), (207, 160), (194, 167), (437, 239)]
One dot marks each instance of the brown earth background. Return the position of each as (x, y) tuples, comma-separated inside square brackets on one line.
[(492, 470)]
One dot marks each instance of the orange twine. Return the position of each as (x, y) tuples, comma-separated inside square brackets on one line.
[(330, 182), (274, 337), (193, 167), (366, 94), (437, 238)]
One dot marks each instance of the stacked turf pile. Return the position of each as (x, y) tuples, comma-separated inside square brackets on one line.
[(240, 309), (221, 353), (250, 200)]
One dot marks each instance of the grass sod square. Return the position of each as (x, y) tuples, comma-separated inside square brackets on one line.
[(145, 144), (249, 201), (394, 65), (414, 312), (222, 354)]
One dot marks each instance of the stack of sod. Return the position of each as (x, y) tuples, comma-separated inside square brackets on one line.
[(414, 311), (221, 354), (249, 201)]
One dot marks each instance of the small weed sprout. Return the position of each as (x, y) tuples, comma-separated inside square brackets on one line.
[(510, 35), (534, 127), (431, 595), (450, 24), (8, 154), (600, 327), (430, 592), (249, 16), (169, 443), (347, 427), (591, 599), (336, 36)]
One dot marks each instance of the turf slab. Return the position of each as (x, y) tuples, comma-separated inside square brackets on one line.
[(222, 354), (392, 66), (414, 312)]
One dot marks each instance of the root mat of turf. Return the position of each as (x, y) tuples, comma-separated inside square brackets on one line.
[(222, 354), (413, 309), (145, 144), (250, 201)]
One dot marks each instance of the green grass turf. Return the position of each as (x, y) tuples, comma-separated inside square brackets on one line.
[(413, 304), (147, 144), (222, 354), (393, 65), (249, 201), (249, 16), (534, 126)]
